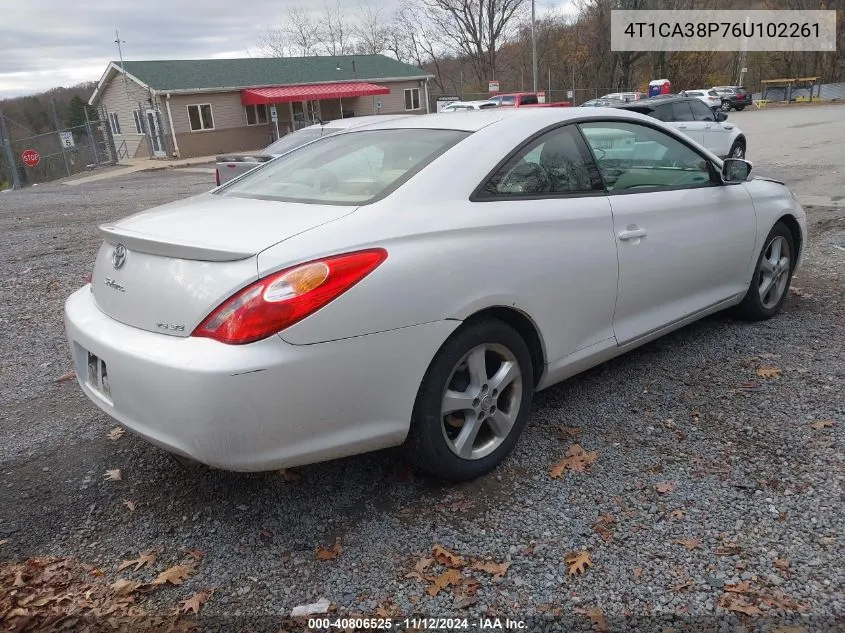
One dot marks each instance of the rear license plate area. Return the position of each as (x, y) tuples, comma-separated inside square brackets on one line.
[(98, 377)]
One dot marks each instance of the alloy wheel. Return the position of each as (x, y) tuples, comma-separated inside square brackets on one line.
[(774, 270), (738, 151), (481, 401)]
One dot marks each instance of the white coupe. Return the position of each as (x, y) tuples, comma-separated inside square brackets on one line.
[(416, 281)]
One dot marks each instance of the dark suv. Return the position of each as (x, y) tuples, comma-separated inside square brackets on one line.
[(733, 97)]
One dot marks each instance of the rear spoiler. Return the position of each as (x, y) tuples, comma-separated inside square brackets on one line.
[(168, 248)]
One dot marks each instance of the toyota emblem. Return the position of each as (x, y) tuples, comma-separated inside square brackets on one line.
[(118, 256)]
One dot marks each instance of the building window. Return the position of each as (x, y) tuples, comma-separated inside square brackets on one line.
[(139, 121), (412, 98), (114, 123), (200, 116), (256, 114)]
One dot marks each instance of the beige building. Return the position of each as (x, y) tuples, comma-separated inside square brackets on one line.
[(186, 108)]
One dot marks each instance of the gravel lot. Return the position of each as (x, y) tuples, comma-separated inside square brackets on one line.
[(754, 491)]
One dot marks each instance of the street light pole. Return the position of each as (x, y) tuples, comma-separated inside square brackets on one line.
[(534, 47)]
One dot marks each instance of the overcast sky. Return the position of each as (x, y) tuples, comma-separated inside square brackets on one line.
[(49, 43)]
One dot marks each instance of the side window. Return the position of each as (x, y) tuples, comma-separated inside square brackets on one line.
[(632, 157), (528, 99), (702, 112), (681, 111), (556, 162), (663, 113)]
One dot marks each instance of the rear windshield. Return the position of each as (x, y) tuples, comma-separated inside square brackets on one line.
[(354, 168), (297, 139), (508, 100)]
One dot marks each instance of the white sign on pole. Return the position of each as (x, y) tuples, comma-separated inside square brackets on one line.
[(493, 86), (569, 94), (274, 115), (378, 105), (66, 139)]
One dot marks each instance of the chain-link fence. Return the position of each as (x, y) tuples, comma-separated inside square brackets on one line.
[(27, 158)]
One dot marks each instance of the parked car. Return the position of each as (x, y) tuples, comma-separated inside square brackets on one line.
[(525, 99), (710, 98), (402, 283), (624, 96), (230, 166), (462, 106), (697, 121), (733, 97), (601, 103)]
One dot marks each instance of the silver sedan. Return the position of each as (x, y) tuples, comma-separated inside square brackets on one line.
[(416, 282)]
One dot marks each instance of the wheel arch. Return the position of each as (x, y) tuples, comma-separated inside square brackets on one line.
[(524, 326), (791, 222)]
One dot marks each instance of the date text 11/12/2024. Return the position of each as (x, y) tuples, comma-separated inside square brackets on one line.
[(419, 624)]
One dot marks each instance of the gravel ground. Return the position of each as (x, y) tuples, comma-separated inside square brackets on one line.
[(754, 490)]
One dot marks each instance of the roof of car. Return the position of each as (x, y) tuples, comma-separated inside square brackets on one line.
[(654, 101), (349, 122)]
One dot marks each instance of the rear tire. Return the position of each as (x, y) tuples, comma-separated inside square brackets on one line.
[(772, 276), (740, 108), (726, 106), (473, 402)]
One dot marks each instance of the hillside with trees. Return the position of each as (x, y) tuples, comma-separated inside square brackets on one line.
[(37, 114)]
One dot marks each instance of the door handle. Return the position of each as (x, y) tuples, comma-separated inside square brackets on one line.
[(682, 127), (630, 234), (708, 126)]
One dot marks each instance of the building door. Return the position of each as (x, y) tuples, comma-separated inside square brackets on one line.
[(156, 141)]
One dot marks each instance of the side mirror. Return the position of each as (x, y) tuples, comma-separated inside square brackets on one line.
[(735, 170), (721, 116)]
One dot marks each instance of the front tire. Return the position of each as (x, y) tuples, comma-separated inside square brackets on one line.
[(737, 150), (772, 276), (726, 106), (473, 402), (740, 108)]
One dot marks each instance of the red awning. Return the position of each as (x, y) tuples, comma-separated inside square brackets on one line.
[(283, 94)]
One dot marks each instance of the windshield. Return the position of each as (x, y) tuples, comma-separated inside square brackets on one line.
[(352, 168), (298, 139)]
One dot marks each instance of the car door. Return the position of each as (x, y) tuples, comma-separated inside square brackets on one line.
[(685, 241), (716, 137), (549, 196), (683, 119)]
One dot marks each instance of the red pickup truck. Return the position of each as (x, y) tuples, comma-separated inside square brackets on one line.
[(524, 100)]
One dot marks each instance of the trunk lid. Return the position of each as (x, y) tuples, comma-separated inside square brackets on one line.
[(165, 269)]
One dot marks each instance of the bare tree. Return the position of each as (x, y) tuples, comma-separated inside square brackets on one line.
[(299, 36), (475, 29), (413, 40), (371, 31), (335, 30)]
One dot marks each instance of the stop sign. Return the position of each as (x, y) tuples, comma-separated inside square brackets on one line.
[(31, 158)]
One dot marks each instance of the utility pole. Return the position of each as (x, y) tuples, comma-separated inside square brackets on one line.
[(6, 144), (119, 41), (56, 123), (534, 49)]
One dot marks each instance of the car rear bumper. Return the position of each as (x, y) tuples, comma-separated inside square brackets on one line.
[(253, 407)]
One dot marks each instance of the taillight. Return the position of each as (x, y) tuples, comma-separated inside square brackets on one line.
[(217, 176), (90, 277), (276, 302)]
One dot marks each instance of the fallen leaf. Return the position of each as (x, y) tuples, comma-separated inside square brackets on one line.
[(124, 586), (740, 587), (576, 459), (447, 558), (469, 587), (194, 603), (447, 578), (768, 372), (822, 424), (423, 564), (782, 564), (728, 549), (174, 575), (684, 585), (677, 514), (19, 579), (665, 487), (689, 543), (3, 541), (638, 572), (113, 475), (595, 614), (196, 554), (116, 433), (529, 549), (65, 377), (737, 604), (129, 504), (578, 562), (288, 474), (330, 554), (498, 570), (144, 559)]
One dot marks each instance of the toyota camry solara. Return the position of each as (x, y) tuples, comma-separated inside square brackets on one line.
[(417, 281)]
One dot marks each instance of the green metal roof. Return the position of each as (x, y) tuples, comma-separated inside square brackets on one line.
[(204, 74)]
